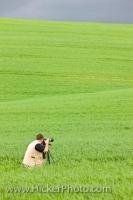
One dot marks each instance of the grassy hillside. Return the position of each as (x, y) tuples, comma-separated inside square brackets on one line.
[(73, 81)]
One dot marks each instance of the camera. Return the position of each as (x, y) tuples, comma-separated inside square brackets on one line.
[(50, 140)]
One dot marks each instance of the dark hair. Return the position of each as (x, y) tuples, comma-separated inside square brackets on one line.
[(39, 136)]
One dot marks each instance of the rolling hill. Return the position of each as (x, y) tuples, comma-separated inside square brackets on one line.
[(74, 82)]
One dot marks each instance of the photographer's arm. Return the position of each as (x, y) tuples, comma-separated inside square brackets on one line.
[(46, 145)]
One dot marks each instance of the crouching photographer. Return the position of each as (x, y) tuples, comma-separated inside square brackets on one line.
[(37, 152)]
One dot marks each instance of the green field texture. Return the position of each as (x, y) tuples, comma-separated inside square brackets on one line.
[(74, 82)]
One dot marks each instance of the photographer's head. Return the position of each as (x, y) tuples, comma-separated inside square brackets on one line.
[(40, 137)]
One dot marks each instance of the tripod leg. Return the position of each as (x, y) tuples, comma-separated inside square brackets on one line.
[(48, 157)]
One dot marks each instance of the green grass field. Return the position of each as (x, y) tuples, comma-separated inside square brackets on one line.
[(74, 82)]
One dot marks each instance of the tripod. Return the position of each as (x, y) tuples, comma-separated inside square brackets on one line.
[(50, 157)]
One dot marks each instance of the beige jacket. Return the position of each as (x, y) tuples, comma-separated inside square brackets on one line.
[(32, 157)]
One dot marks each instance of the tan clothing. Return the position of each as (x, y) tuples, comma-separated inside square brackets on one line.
[(32, 157)]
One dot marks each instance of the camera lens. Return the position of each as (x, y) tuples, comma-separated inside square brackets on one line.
[(51, 139)]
